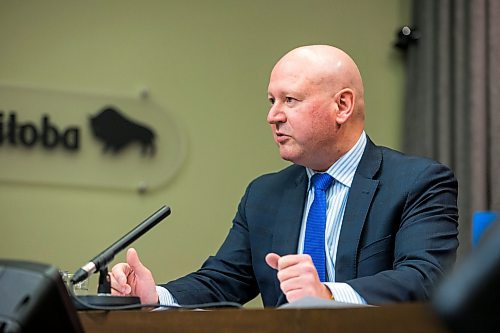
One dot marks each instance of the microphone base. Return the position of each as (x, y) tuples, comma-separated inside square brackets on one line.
[(104, 300)]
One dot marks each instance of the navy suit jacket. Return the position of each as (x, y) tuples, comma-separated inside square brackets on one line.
[(398, 236)]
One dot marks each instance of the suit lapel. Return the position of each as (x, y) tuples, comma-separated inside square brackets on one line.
[(361, 194), (288, 222), (289, 216)]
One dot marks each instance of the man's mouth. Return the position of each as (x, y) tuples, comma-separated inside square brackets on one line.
[(281, 137)]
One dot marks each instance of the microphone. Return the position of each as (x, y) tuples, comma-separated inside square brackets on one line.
[(101, 260)]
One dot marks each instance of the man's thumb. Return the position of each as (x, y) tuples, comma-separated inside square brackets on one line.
[(272, 260), (134, 262)]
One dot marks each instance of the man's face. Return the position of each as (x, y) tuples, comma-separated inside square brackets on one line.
[(302, 115)]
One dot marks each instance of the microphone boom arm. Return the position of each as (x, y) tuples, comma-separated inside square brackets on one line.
[(106, 256)]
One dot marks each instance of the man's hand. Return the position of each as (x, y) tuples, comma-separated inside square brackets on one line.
[(133, 279), (298, 276)]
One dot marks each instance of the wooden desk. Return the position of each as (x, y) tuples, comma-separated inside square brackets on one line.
[(407, 318)]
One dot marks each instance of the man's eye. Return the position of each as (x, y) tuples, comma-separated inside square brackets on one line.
[(271, 100), (290, 99)]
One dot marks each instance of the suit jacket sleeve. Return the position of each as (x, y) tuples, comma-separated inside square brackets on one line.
[(227, 276)]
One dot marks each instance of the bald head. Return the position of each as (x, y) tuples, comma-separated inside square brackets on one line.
[(317, 105), (327, 66)]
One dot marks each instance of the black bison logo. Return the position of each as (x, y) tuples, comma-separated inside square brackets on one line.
[(116, 131)]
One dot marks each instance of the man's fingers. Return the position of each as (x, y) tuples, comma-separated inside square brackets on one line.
[(288, 261), (301, 268), (119, 272), (294, 295), (116, 292), (119, 288), (133, 258), (119, 278), (291, 284), (136, 264), (292, 260), (272, 260)]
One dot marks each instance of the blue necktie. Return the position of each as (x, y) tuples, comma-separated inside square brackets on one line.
[(314, 243)]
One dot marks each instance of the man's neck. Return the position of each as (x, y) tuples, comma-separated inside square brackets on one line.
[(340, 150)]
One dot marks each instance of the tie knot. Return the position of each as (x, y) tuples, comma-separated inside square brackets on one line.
[(321, 181)]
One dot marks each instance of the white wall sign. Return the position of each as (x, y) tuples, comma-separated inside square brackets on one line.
[(76, 139)]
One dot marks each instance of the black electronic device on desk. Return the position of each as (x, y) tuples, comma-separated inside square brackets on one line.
[(33, 298)]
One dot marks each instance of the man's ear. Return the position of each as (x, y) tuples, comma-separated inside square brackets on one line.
[(345, 102)]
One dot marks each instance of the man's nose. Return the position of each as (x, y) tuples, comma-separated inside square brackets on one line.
[(276, 114)]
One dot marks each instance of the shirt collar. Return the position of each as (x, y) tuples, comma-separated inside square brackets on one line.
[(344, 168)]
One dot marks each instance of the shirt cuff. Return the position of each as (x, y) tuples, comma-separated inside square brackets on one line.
[(165, 297), (342, 292)]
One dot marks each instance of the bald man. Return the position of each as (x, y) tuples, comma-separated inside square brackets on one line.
[(389, 227)]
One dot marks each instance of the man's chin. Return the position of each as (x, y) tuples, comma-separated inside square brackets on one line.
[(288, 156)]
